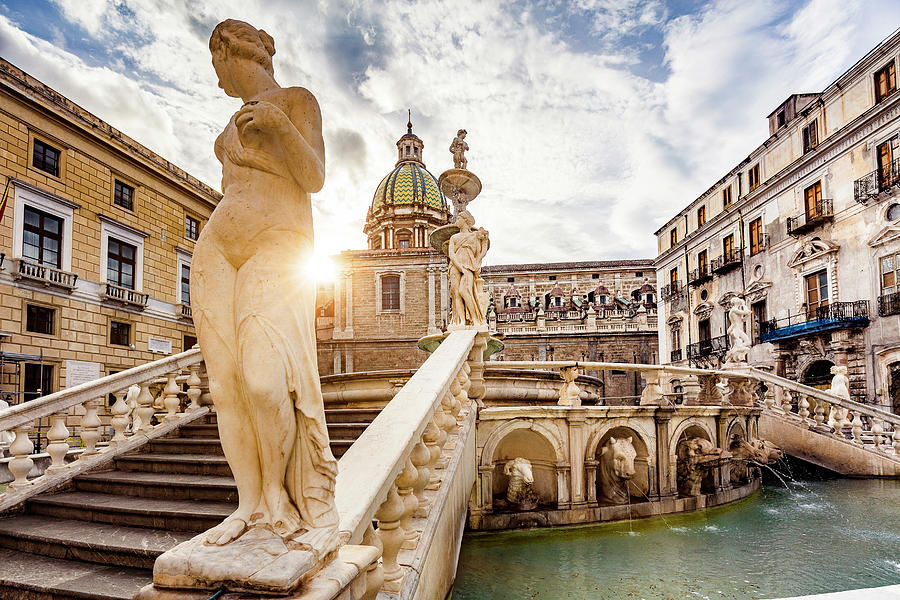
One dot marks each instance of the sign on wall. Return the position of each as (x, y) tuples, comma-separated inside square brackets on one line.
[(159, 345), (80, 371)]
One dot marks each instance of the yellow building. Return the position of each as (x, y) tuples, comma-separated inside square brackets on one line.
[(95, 244)]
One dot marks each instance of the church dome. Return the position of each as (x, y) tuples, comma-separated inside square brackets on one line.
[(409, 183)]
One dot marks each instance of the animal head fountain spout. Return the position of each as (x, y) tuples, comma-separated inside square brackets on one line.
[(616, 469)]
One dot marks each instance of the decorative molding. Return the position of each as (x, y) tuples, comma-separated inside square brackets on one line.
[(886, 235), (810, 250)]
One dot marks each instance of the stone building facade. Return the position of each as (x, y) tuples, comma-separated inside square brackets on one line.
[(807, 230), (95, 244), (387, 297)]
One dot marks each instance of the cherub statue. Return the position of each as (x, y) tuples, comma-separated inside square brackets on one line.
[(458, 149)]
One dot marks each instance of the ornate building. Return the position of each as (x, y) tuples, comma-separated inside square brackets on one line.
[(95, 244), (396, 291), (806, 230)]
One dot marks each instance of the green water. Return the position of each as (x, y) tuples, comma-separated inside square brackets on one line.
[(815, 537)]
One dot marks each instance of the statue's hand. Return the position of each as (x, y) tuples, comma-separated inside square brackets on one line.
[(260, 116)]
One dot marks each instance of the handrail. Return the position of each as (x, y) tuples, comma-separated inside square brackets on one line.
[(28, 412), (369, 468)]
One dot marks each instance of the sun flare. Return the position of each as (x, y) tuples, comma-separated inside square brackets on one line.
[(320, 267)]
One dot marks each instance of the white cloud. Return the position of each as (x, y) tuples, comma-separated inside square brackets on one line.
[(580, 157)]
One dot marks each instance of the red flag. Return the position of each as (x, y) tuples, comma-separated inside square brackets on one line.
[(3, 199)]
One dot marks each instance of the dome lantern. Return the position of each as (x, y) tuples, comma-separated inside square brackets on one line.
[(409, 146)]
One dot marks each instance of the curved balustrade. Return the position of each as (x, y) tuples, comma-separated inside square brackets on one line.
[(393, 472), (160, 396)]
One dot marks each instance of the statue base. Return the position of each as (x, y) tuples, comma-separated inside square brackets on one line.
[(343, 578), (429, 343), (461, 186), (259, 561)]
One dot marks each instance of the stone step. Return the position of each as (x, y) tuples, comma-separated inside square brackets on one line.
[(351, 415), (185, 445), (339, 447), (99, 543), (344, 431), (197, 430), (173, 486), (34, 577), (172, 515), (189, 464)]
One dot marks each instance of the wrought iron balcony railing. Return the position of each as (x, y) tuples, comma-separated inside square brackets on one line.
[(698, 275), (813, 217), (838, 315), (875, 183), (889, 304), (125, 295), (35, 271), (676, 355), (727, 261), (672, 290), (705, 348)]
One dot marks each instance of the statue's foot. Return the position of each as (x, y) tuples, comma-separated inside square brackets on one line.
[(284, 517), (320, 540), (228, 530)]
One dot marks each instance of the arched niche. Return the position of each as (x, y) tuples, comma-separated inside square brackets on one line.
[(639, 485), (534, 446), (688, 430)]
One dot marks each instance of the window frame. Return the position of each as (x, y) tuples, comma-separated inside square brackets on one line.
[(753, 178), (119, 182), (673, 237), (673, 280), (36, 198), (812, 306), (810, 136), (756, 237), (895, 272), (702, 262), (390, 294), (814, 191), (49, 378), (183, 259), (701, 216), (54, 320), (129, 235), (123, 260), (379, 276), (728, 248), (59, 148), (189, 221), (43, 233), (130, 334), (890, 72)]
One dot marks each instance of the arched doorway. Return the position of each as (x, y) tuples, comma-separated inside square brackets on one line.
[(818, 374), (894, 386)]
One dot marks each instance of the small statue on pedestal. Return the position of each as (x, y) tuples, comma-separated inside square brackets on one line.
[(458, 148)]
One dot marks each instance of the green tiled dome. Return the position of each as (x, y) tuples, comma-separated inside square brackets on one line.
[(409, 183)]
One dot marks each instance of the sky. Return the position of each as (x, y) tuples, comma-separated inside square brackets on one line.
[(590, 122)]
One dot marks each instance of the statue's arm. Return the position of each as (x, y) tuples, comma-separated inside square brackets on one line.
[(302, 143)]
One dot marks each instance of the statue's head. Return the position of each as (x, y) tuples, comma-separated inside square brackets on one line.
[(519, 468), (461, 133), (465, 217), (237, 39), (736, 301), (838, 370), (620, 454)]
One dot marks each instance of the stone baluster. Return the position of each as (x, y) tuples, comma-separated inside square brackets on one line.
[(877, 430), (120, 418), (145, 407), (786, 401), (90, 426), (432, 439), (769, 397), (391, 534), (460, 395), (804, 408), (420, 458), (896, 439), (57, 436), (171, 401), (652, 394), (20, 450), (448, 419), (194, 392), (856, 427), (819, 412), (374, 572), (406, 483)]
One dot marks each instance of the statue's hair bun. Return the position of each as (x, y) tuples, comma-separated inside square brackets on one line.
[(267, 41)]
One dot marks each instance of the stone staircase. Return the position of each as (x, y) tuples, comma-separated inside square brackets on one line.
[(98, 539)]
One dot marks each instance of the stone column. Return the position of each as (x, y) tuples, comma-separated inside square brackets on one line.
[(666, 482), (576, 423), (445, 297), (348, 359), (485, 488), (338, 314), (337, 361), (590, 480), (432, 326), (723, 473), (563, 476), (348, 286)]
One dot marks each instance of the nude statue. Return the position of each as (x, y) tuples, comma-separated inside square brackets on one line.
[(466, 251), (458, 148), (738, 338), (254, 308)]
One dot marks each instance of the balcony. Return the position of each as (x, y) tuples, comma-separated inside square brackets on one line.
[(818, 214), (889, 304), (839, 315), (671, 290), (45, 274), (728, 261), (873, 185), (124, 295), (185, 312), (698, 276), (676, 355), (703, 349)]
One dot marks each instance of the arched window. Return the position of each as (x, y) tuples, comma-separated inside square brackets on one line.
[(390, 292)]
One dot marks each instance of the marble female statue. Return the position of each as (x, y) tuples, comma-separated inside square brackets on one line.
[(738, 338), (466, 251), (458, 148), (254, 303)]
